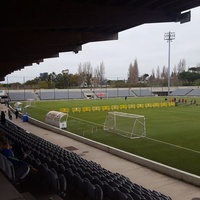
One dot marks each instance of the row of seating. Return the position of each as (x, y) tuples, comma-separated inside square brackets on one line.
[(55, 181), (63, 94), (78, 172), (16, 175)]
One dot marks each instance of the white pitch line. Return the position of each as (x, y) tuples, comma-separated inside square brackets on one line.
[(174, 145), (86, 121)]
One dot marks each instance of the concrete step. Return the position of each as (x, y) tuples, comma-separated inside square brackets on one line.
[(8, 191)]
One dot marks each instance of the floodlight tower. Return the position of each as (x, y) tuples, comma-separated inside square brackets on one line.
[(169, 37)]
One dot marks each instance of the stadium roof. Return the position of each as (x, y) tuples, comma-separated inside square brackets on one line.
[(31, 30)]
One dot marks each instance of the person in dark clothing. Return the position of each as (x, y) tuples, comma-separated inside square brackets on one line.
[(3, 118), (7, 150), (9, 114), (16, 113)]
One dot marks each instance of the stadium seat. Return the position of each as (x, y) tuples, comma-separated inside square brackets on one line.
[(74, 168), (61, 169), (15, 174), (122, 196), (89, 189), (21, 172), (53, 180), (48, 160), (29, 159), (109, 192), (93, 191), (42, 157), (98, 192), (63, 185), (135, 196), (69, 175), (113, 183), (89, 177), (67, 164), (36, 163), (81, 172), (43, 172), (9, 169), (79, 183), (97, 181), (124, 189), (2, 163), (60, 160)]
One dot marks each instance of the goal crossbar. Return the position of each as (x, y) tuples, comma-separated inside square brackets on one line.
[(122, 114)]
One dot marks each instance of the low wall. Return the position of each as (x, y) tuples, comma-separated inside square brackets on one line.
[(169, 171)]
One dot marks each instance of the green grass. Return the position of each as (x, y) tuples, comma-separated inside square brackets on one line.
[(173, 133)]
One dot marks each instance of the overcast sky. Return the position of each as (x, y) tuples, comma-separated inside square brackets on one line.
[(145, 43)]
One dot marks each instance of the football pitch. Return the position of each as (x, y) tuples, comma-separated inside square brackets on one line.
[(172, 132)]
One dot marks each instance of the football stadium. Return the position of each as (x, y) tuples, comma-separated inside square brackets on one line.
[(71, 136)]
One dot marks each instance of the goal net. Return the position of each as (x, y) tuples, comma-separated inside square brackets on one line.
[(30, 102), (125, 124)]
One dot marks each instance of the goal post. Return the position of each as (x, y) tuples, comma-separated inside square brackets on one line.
[(125, 124), (30, 102)]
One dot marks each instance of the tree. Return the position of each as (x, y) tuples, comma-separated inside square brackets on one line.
[(102, 72), (151, 78), (133, 73), (181, 67), (43, 84), (96, 79), (174, 72), (81, 75), (88, 71), (174, 77), (61, 82), (74, 80), (189, 77), (164, 73), (52, 80), (153, 74), (158, 73), (99, 74), (85, 73)]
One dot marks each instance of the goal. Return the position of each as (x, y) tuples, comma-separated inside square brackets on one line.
[(30, 102), (125, 124)]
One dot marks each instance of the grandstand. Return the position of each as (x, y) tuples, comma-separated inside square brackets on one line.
[(64, 170), (58, 94), (181, 92), (142, 93), (21, 95), (194, 92)]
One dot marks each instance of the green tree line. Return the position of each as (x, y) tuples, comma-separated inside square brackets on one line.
[(89, 77)]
